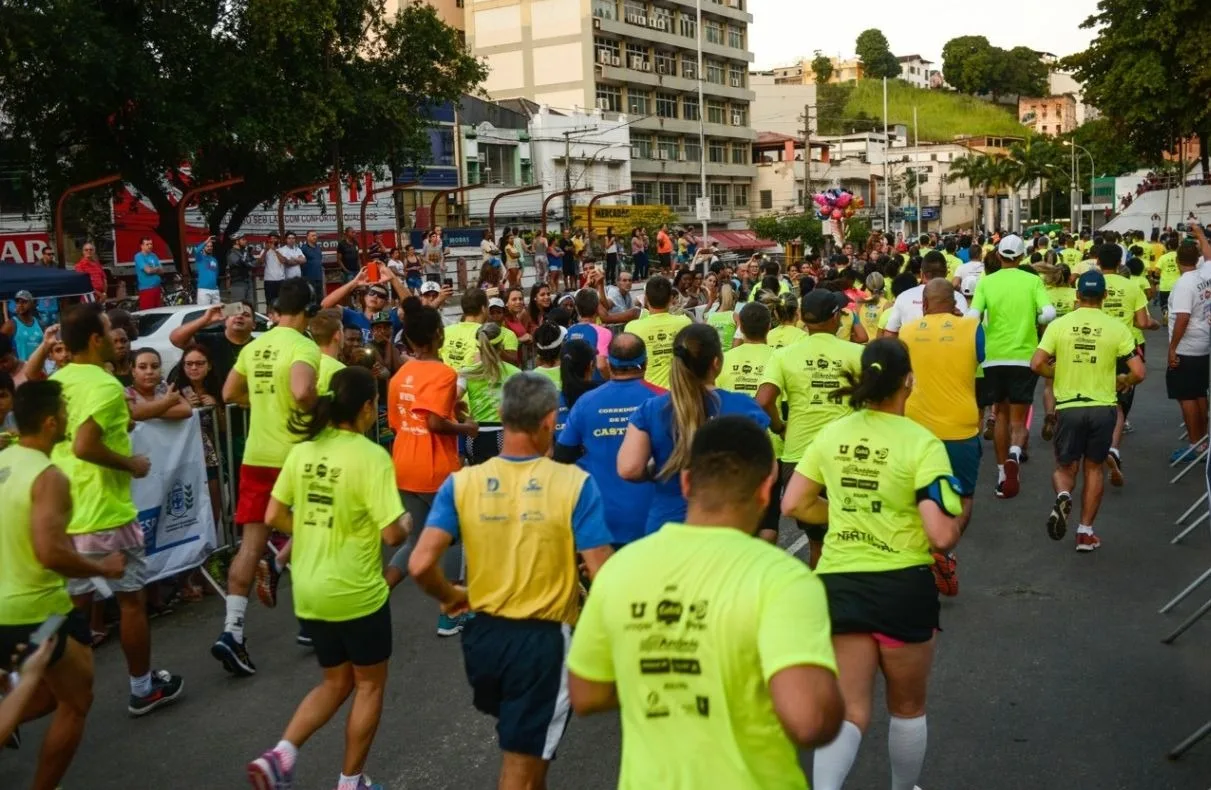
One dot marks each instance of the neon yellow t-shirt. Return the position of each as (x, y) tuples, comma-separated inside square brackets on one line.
[(953, 262), (100, 496), (554, 374), (873, 464), (460, 346), (483, 397), (805, 374), (328, 369), (1063, 299), (785, 335), (658, 330), (690, 624), (725, 324), (508, 339), (29, 592), (742, 371), (1155, 251), (1071, 256), (870, 314), (341, 487), (266, 363), (845, 329), (1012, 300), (1087, 343), (1170, 272), (1123, 299)]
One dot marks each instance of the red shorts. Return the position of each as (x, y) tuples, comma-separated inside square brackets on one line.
[(151, 297), (252, 499)]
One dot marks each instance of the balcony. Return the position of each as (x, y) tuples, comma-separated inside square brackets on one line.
[(629, 27)]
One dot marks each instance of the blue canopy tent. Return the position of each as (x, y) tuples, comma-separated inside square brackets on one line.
[(42, 282)]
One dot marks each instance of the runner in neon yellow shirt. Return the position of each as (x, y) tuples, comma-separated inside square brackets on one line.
[(658, 329)]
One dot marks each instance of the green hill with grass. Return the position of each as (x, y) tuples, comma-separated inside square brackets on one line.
[(941, 115)]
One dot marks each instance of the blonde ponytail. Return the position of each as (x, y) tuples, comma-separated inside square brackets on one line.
[(695, 350)]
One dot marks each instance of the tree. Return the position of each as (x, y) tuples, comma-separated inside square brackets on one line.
[(171, 94), (788, 228), (822, 68), (1157, 94), (1020, 71), (875, 54), (1033, 160), (968, 63), (1112, 151)]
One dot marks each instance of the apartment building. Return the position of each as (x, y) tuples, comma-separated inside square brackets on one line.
[(639, 59), (1048, 115), (452, 12)]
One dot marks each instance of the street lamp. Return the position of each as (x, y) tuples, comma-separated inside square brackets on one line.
[(1076, 188)]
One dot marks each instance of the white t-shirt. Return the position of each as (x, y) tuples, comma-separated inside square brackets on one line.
[(1190, 295), (275, 269), (909, 306), (292, 259)]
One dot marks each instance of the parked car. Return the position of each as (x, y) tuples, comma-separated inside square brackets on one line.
[(156, 324)]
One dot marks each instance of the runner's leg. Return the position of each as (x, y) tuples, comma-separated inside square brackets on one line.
[(364, 715), (522, 772), (1091, 494), (857, 661), (134, 632), (906, 670), (70, 681), (320, 704)]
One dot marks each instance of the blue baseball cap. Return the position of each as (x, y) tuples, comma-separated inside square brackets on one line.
[(1091, 284)]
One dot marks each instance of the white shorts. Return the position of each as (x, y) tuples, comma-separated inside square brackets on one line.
[(209, 297)]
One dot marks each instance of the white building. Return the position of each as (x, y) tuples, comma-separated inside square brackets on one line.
[(943, 205), (915, 70)]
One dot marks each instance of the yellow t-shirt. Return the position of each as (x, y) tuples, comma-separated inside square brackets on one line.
[(266, 364), (101, 497), (341, 487), (690, 624), (1071, 256), (1155, 250), (870, 314), (943, 353), (845, 330), (1170, 272), (460, 346), (805, 374), (953, 262), (742, 371), (1123, 299), (658, 330), (328, 369), (1063, 298), (555, 374), (29, 592), (785, 335), (873, 464), (725, 324), (1087, 343)]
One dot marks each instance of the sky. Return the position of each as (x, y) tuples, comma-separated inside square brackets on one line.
[(920, 27)]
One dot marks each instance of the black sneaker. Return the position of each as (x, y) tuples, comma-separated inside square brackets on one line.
[(304, 639), (165, 688), (233, 654)]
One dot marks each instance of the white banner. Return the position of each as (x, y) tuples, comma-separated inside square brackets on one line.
[(173, 500)]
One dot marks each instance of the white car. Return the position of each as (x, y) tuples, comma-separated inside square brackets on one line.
[(156, 324)]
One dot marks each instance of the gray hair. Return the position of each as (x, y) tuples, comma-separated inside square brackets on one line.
[(526, 400)]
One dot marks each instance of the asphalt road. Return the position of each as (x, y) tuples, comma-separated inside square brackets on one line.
[(1050, 672)]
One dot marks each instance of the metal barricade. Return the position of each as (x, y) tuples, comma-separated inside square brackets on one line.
[(233, 411)]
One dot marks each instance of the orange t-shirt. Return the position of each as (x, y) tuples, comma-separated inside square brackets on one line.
[(663, 243), (423, 460)]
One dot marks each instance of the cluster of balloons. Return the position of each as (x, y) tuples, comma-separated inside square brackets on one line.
[(837, 203)]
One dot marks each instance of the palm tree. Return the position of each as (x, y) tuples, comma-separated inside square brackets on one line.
[(1030, 159), (1002, 175), (974, 169)]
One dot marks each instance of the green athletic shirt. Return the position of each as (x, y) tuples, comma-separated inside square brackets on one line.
[(1011, 300), (1087, 343)]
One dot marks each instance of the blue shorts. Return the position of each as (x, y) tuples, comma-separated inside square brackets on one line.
[(964, 457), (517, 674)]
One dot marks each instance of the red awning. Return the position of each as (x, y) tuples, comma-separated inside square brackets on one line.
[(737, 240)]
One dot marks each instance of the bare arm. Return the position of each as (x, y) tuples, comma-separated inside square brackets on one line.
[(183, 335), (591, 696), (35, 367), (595, 558), (941, 529), (279, 517), (807, 701), (802, 500), (89, 446), (767, 399), (302, 384), (1136, 370), (50, 511), (425, 569), (339, 295), (440, 425), (1042, 365), (169, 407), (634, 455), (235, 389), (397, 531)]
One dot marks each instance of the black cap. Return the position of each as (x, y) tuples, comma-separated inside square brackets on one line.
[(820, 305)]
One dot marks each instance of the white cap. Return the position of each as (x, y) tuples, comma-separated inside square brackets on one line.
[(430, 287), (1012, 247), (968, 284), (496, 302)]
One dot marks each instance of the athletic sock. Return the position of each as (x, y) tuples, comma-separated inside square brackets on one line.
[(1000, 473), (277, 564), (237, 605), (1014, 450), (906, 740), (288, 753), (349, 782), (1084, 529), (831, 764), (1063, 493), (140, 687)]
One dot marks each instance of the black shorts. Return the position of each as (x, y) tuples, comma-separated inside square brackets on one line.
[(1012, 383), (363, 641), (1188, 381), (75, 626), (814, 532), (569, 266), (900, 604), (517, 674), (983, 393), (666, 260), (1084, 432)]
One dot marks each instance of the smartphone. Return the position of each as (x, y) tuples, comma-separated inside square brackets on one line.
[(46, 630), (372, 274), (235, 308), (449, 283)]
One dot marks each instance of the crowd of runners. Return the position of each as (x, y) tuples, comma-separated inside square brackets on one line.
[(590, 486)]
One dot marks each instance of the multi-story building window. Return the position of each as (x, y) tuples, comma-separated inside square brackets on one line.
[(693, 191), (693, 151), (609, 98), (661, 19), (689, 67), (666, 105), (735, 37), (498, 162), (607, 49), (715, 111), (716, 151), (637, 56), (714, 72), (720, 195), (644, 193), (666, 62), (735, 76), (641, 147), (689, 108), (713, 32), (666, 148), (670, 193), (689, 25), (605, 9), (639, 102), (739, 115), (740, 195), (767, 199), (741, 153), (635, 10)]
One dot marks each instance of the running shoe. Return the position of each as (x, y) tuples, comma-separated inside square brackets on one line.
[(449, 626), (1049, 427), (1087, 541), (365, 784), (1012, 483), (165, 688), (1057, 522), (1115, 462), (267, 578), (233, 655), (268, 773), (989, 426), (304, 638), (1184, 454), (946, 574), (1127, 426)]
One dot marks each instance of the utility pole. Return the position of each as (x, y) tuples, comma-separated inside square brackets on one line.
[(807, 156), (567, 179), (701, 126), (886, 154), (916, 142)]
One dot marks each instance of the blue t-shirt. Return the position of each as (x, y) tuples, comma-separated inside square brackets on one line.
[(964, 254), (358, 319), (655, 418), (27, 338), (313, 261), (206, 269), (597, 424), (144, 280)]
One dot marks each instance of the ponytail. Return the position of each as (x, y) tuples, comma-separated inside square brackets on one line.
[(695, 350), (490, 366), (885, 365), (350, 390), (574, 365)]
